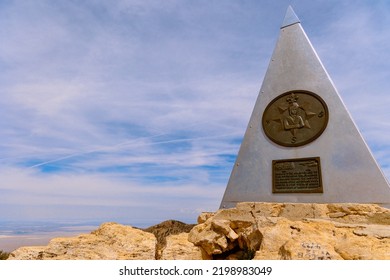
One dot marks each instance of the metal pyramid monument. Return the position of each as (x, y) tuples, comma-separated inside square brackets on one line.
[(301, 144)]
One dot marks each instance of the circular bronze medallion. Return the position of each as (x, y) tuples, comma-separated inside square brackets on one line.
[(295, 118)]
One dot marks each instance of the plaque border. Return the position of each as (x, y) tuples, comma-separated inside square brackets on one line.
[(307, 141), (320, 189)]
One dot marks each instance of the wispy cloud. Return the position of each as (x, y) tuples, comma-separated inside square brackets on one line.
[(135, 105)]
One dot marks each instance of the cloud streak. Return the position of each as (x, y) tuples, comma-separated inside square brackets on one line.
[(112, 107)]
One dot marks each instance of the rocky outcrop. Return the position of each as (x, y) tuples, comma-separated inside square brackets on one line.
[(179, 248), (295, 231), (273, 231), (110, 241)]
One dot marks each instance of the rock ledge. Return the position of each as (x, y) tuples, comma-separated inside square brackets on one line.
[(273, 231)]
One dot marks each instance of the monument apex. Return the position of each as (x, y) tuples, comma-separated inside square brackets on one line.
[(290, 18)]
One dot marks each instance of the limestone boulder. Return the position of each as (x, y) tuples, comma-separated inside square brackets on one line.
[(111, 241), (179, 248), (227, 231), (299, 240), (299, 231), (27, 253)]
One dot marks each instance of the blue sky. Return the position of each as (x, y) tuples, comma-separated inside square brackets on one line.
[(133, 111)]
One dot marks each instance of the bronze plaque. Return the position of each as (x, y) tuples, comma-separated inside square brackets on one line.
[(300, 175), (295, 118)]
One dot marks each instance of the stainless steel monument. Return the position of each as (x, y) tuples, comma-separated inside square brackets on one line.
[(301, 144)]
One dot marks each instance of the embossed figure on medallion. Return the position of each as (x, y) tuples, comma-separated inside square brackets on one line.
[(293, 121), (295, 118)]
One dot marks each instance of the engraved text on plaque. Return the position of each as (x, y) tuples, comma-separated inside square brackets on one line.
[(299, 175)]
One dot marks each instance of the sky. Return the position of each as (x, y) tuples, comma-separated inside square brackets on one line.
[(133, 111)]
